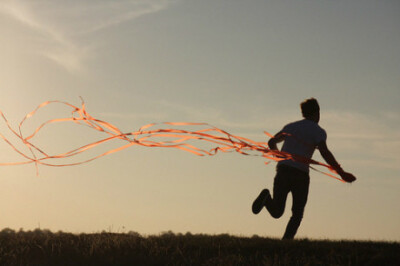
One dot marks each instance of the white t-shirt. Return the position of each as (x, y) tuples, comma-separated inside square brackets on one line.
[(304, 136)]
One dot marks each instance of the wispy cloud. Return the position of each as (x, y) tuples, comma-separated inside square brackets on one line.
[(374, 140), (117, 12), (219, 118), (63, 24), (134, 116), (357, 139)]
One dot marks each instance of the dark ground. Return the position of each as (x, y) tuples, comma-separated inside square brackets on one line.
[(42, 247)]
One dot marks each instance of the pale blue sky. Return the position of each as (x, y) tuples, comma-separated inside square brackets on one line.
[(243, 66)]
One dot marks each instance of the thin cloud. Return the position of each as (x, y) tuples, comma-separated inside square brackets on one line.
[(351, 125), (339, 124), (219, 118), (60, 49), (375, 139), (62, 24), (125, 11), (149, 116)]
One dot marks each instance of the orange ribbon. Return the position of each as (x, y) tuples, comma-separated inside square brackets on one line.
[(145, 136)]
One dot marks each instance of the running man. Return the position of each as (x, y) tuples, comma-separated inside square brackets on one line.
[(300, 138)]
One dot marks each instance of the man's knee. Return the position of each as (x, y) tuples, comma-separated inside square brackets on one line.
[(277, 213), (276, 207)]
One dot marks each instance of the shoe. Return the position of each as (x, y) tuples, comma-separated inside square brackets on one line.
[(260, 201)]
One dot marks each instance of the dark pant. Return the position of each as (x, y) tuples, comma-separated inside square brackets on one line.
[(289, 179)]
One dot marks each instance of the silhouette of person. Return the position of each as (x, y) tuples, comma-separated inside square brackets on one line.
[(300, 138)]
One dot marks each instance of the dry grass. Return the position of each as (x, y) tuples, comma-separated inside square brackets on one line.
[(42, 247)]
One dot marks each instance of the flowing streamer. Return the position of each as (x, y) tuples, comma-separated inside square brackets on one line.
[(147, 136)]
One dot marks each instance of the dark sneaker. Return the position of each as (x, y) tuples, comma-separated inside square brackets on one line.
[(260, 201)]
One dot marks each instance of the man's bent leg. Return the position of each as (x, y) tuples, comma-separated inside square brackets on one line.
[(300, 194), (276, 204)]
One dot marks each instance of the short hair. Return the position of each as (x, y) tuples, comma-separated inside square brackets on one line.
[(309, 107)]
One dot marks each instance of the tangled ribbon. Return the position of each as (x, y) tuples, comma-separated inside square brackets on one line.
[(146, 136)]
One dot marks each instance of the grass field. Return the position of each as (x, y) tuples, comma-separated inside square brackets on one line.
[(42, 247)]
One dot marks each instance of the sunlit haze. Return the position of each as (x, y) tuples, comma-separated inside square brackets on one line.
[(243, 66)]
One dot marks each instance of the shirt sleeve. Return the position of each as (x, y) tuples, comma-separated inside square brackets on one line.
[(286, 129), (322, 136)]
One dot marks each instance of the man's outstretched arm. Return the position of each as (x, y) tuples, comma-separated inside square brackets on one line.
[(330, 159)]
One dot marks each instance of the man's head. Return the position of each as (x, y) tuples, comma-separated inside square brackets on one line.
[(310, 109)]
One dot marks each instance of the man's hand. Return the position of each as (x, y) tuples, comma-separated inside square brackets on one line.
[(330, 159), (347, 177)]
